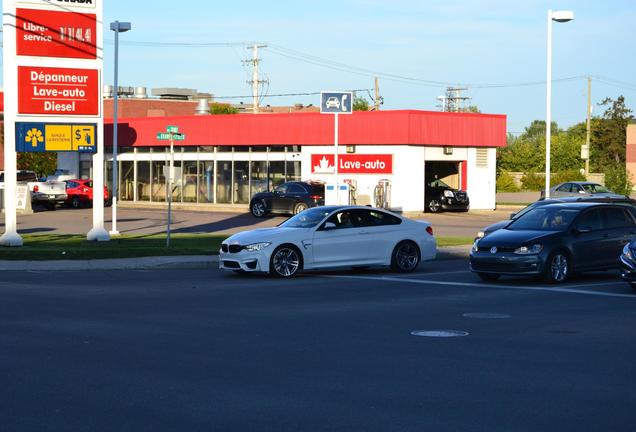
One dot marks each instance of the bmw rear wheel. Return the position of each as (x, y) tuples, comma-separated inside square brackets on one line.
[(258, 209), (557, 268), (300, 207), (286, 261), (405, 257)]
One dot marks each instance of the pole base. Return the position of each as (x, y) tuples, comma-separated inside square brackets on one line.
[(12, 239), (98, 234), (113, 233)]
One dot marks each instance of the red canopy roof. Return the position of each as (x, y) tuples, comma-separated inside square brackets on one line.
[(404, 127)]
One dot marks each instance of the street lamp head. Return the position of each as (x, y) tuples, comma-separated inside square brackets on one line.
[(562, 16), (120, 27)]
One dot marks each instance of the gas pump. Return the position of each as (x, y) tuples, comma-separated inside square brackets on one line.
[(353, 190), (382, 194)]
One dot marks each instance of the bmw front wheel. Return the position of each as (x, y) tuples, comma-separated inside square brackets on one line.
[(286, 261)]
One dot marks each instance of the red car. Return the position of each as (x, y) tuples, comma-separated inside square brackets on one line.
[(80, 193)]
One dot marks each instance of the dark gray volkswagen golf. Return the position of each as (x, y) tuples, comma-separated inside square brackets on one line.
[(556, 240)]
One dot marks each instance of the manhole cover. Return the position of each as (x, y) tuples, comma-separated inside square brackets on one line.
[(439, 333), (482, 315)]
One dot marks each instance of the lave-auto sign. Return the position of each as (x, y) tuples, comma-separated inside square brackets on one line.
[(352, 164), (58, 91)]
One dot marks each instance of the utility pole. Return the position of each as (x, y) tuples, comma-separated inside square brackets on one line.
[(255, 82), (589, 125), (377, 94), (453, 100)]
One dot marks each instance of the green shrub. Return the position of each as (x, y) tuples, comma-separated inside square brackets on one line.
[(532, 182), (505, 183), (617, 180), (566, 176)]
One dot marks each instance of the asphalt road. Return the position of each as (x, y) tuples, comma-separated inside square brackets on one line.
[(153, 221), (201, 350)]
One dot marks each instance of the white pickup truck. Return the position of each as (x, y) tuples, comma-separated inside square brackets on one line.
[(48, 193)]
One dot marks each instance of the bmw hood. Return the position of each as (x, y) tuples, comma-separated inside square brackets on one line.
[(261, 235), (505, 237)]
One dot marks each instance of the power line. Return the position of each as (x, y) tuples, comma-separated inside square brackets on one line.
[(284, 94)]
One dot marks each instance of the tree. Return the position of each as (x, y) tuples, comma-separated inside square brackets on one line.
[(360, 104), (42, 163), (470, 109), (221, 108), (609, 133)]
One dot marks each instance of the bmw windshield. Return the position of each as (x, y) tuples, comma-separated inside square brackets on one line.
[(308, 219), (544, 219)]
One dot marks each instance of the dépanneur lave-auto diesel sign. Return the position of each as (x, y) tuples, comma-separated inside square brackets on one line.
[(63, 3), (58, 91)]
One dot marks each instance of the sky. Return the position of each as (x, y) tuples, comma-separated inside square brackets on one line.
[(416, 48)]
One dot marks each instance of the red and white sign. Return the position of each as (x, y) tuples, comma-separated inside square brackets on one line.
[(58, 91), (46, 33), (352, 164)]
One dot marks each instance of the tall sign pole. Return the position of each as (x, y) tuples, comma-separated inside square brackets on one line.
[(10, 80), (172, 134), (336, 103), (52, 70)]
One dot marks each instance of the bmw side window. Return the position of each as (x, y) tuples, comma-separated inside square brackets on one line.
[(376, 218)]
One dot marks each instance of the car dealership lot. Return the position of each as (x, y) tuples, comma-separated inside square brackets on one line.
[(202, 349)]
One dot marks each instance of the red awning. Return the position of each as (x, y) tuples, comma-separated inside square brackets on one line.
[(404, 127)]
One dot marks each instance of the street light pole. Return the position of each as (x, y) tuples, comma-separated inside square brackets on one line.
[(559, 16), (117, 27)]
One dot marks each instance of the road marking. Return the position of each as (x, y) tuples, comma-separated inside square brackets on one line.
[(564, 290)]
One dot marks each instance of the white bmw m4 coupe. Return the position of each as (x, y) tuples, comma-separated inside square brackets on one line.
[(328, 238)]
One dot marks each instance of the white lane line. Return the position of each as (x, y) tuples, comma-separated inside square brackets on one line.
[(482, 285)]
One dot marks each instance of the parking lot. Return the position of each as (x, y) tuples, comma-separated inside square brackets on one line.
[(153, 221), (205, 350)]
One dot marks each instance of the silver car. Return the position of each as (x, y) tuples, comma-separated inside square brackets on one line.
[(581, 189)]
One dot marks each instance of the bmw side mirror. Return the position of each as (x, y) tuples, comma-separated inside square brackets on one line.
[(512, 215)]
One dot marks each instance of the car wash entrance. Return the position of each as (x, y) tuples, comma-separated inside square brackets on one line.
[(445, 186)]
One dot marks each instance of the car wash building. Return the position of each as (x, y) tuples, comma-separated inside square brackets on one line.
[(387, 157)]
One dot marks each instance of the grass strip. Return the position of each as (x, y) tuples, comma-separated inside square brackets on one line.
[(39, 247)]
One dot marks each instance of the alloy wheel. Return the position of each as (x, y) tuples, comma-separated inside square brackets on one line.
[(434, 206), (407, 257), (559, 268), (285, 262), (300, 207), (258, 209)]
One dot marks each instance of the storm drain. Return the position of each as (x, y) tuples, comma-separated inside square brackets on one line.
[(481, 315), (439, 333)]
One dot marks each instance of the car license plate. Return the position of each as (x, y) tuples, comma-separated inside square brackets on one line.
[(51, 196)]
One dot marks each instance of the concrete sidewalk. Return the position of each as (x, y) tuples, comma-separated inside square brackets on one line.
[(186, 262)]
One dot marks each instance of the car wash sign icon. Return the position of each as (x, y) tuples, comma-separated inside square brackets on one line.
[(332, 102)]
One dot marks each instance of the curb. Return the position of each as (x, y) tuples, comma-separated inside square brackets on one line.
[(189, 261), (172, 262)]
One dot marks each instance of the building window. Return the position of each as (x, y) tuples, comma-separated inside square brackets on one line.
[(293, 171), (158, 181), (224, 182), (241, 182), (189, 181), (143, 180), (258, 176), (206, 182), (276, 173), (127, 181)]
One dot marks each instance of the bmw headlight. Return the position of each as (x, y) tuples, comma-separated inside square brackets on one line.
[(449, 194), (627, 252), (255, 247), (529, 250)]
